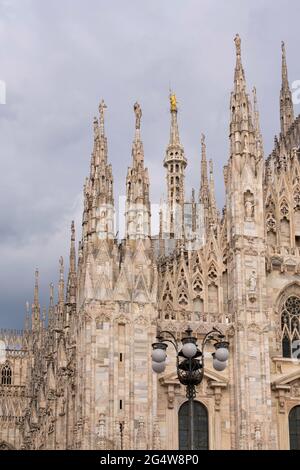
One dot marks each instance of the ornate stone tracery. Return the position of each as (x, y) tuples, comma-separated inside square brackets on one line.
[(290, 325)]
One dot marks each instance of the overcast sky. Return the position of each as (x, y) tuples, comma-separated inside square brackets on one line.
[(59, 58)]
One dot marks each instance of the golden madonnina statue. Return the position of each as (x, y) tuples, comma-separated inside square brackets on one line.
[(173, 102)]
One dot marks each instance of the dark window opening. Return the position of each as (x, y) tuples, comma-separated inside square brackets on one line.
[(294, 427), (200, 426)]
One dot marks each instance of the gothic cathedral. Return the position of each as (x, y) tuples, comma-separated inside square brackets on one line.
[(79, 376)]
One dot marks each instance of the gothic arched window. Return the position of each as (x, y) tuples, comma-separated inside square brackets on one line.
[(290, 325), (6, 375), (200, 426), (294, 427)]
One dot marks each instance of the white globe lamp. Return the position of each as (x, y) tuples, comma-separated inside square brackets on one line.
[(158, 367)]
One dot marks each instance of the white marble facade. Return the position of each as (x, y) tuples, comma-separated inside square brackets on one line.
[(82, 378)]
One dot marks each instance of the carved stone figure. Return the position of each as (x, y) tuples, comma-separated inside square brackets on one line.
[(138, 115), (252, 282), (249, 207)]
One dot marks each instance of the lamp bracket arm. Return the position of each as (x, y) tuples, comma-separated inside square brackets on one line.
[(211, 336), (166, 340)]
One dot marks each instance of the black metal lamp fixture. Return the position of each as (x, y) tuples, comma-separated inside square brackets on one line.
[(189, 362)]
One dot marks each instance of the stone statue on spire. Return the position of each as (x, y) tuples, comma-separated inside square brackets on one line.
[(173, 102), (202, 140), (61, 267), (102, 108), (96, 128), (138, 115), (238, 42)]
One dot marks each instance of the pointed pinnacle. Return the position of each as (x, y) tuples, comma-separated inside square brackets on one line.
[(138, 115), (238, 43), (36, 288), (61, 268), (51, 294), (73, 231), (284, 64), (174, 131), (239, 74), (203, 147), (102, 108)]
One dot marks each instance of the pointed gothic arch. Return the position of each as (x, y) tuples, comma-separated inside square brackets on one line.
[(6, 374), (296, 197), (167, 295), (197, 286), (271, 223), (284, 209), (168, 312), (288, 311), (197, 266), (296, 213), (212, 273), (290, 325), (182, 289), (270, 204)]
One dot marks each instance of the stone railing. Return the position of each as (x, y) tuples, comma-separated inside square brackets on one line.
[(13, 391), (283, 251), (16, 353), (196, 317)]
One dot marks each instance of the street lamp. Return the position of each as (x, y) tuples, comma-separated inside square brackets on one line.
[(189, 362)]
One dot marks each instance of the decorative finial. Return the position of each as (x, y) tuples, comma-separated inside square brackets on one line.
[(36, 287), (203, 146), (51, 294), (61, 281), (96, 128), (173, 102), (211, 167), (72, 263), (102, 108), (27, 317), (73, 230), (61, 267), (238, 42), (254, 93), (285, 83), (138, 115)]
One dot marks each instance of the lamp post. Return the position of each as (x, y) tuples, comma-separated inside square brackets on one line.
[(189, 362)]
